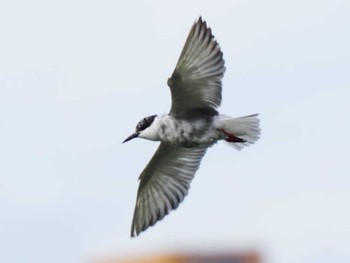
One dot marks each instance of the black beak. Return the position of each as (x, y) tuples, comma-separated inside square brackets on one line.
[(132, 136)]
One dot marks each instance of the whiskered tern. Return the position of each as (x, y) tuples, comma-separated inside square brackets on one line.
[(185, 133)]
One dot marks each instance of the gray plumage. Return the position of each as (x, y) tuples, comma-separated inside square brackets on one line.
[(192, 125)]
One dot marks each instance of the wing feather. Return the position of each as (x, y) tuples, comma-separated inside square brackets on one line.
[(164, 183), (196, 81)]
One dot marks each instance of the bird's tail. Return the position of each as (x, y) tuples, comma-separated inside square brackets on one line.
[(240, 132)]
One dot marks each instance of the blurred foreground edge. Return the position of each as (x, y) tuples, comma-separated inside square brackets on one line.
[(244, 257)]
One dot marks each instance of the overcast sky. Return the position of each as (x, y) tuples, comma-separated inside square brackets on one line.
[(77, 76)]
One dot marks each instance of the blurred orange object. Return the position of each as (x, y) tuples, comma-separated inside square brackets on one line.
[(248, 257)]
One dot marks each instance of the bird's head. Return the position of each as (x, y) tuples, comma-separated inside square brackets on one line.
[(143, 129)]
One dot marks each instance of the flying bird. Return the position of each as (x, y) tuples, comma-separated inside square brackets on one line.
[(185, 133)]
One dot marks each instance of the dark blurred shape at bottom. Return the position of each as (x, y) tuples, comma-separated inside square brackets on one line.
[(243, 257)]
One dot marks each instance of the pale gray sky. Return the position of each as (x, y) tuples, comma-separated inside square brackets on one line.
[(77, 76)]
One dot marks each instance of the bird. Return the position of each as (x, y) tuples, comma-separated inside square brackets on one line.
[(188, 130)]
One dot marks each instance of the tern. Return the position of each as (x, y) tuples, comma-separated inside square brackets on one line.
[(185, 133)]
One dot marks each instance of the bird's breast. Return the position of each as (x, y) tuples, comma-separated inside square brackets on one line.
[(194, 133)]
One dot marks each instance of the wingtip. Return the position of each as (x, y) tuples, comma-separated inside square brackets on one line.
[(200, 21), (133, 233)]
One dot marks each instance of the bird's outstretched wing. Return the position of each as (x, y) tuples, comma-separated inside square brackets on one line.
[(196, 81), (164, 183)]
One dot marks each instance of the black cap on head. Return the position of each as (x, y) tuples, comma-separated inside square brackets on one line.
[(145, 123), (142, 125)]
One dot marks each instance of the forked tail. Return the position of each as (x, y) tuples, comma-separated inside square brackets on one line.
[(240, 132)]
